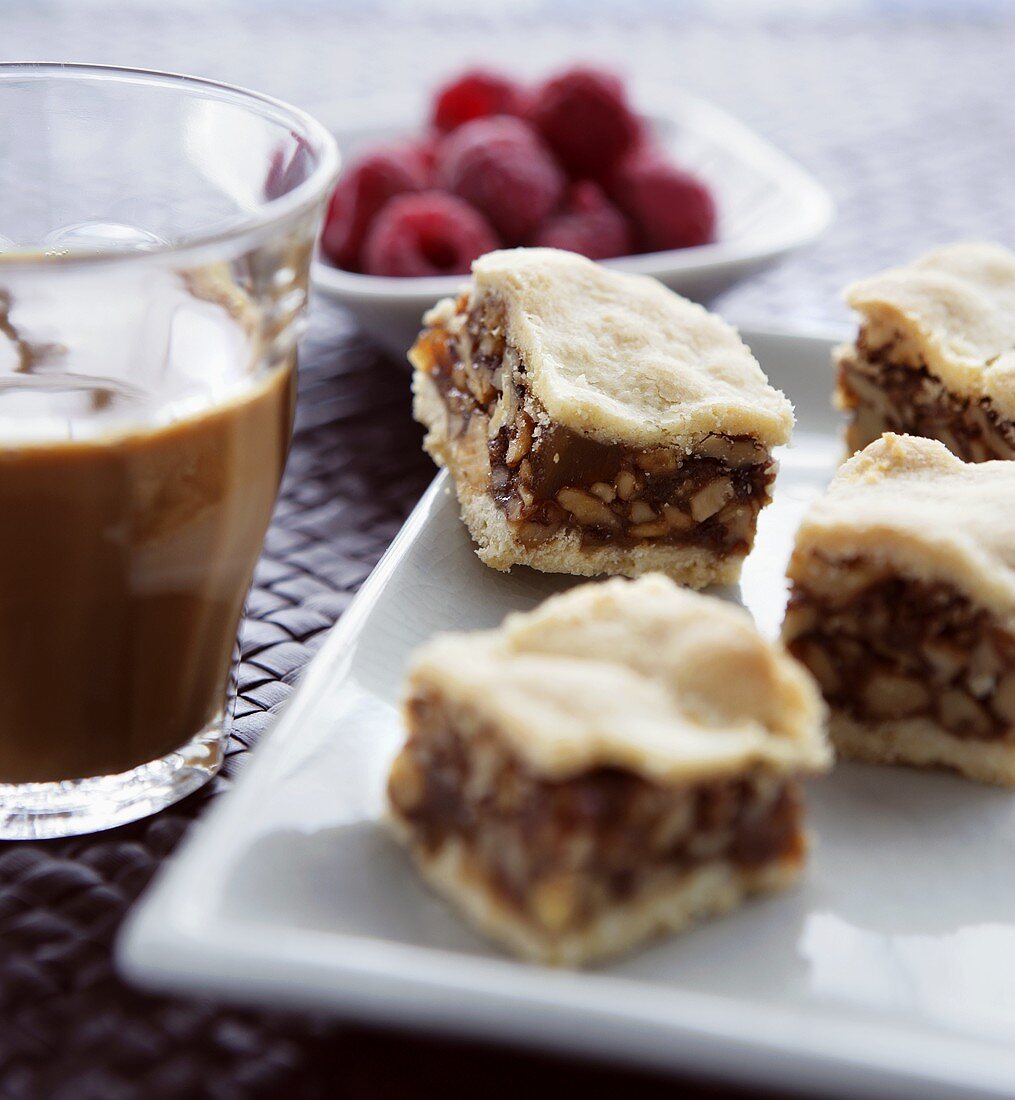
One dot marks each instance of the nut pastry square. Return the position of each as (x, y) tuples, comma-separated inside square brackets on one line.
[(903, 606), (615, 764), (596, 422), (935, 355)]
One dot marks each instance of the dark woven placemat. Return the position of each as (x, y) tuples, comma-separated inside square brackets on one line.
[(69, 1029)]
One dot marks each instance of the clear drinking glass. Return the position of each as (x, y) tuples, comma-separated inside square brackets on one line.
[(155, 240)]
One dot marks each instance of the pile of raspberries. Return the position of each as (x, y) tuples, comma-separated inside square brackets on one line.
[(566, 165)]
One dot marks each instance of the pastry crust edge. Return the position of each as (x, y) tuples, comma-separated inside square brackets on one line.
[(710, 890), (921, 743)]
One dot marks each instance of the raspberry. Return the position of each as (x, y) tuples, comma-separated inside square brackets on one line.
[(588, 223), (475, 94), (364, 189), (584, 116), (669, 207), (501, 166), (428, 233), (424, 149)]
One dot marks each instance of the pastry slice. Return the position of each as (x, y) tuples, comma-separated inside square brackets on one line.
[(903, 606), (935, 355), (612, 765), (596, 422)]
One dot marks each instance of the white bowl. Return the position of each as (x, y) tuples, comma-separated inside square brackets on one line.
[(768, 207)]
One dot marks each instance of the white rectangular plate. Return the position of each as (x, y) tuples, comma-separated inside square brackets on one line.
[(890, 971)]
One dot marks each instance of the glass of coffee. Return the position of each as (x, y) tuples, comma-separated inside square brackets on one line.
[(155, 240)]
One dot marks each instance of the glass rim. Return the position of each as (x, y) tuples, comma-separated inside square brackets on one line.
[(254, 226)]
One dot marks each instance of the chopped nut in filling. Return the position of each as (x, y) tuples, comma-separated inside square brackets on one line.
[(561, 852), (547, 478), (616, 763), (882, 395), (884, 647)]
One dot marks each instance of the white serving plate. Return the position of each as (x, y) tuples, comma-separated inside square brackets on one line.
[(768, 207), (890, 971)]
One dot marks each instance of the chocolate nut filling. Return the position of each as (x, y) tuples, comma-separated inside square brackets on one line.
[(547, 478), (560, 852), (885, 648), (885, 396)]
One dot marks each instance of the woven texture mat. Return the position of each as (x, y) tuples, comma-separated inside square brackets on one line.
[(902, 109)]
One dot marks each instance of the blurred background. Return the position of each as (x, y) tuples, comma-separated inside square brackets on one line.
[(902, 108)]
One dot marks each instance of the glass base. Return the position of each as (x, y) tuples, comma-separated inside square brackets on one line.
[(36, 811)]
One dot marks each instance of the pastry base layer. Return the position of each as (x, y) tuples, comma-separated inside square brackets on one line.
[(708, 890), (920, 743), (468, 461)]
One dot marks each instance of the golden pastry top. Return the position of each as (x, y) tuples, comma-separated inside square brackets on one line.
[(621, 358), (641, 675), (909, 503)]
